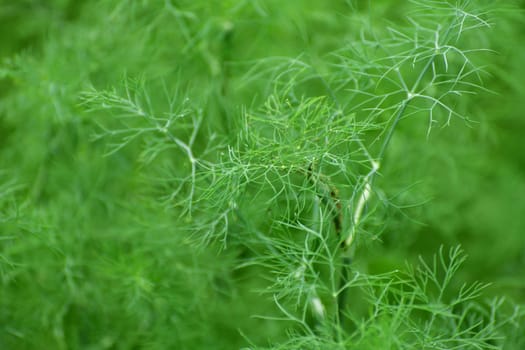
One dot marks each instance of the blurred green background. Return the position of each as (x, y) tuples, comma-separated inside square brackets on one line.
[(90, 259)]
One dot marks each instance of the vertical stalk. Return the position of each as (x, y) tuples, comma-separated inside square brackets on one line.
[(347, 244)]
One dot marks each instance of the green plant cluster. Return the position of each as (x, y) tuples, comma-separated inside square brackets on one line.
[(261, 174)]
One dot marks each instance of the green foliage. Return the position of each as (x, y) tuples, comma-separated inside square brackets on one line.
[(261, 175)]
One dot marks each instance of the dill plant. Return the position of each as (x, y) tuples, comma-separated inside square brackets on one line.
[(299, 179), (256, 186)]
